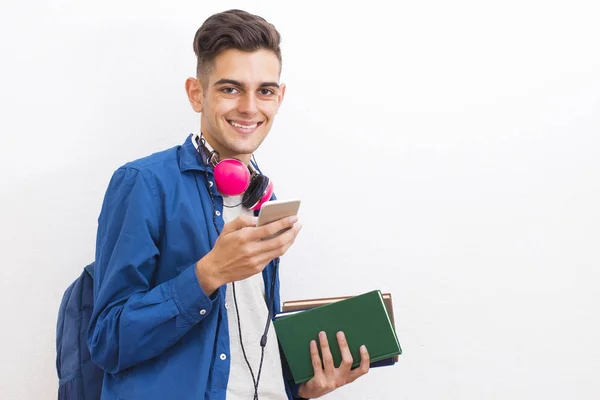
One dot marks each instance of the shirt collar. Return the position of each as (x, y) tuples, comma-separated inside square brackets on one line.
[(188, 156)]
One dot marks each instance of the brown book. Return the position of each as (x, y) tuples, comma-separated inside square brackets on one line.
[(299, 305)]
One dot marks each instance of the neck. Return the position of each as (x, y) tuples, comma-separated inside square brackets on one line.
[(212, 144)]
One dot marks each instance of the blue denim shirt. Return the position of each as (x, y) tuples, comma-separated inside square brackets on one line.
[(153, 330)]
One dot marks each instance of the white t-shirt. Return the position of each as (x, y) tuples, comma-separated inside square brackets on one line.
[(253, 311)]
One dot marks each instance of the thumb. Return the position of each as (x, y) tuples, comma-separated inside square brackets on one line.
[(243, 221)]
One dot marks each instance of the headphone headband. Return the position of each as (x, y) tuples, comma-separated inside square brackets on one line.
[(213, 157)]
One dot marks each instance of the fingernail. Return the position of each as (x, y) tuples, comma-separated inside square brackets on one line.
[(340, 335), (293, 219), (363, 348)]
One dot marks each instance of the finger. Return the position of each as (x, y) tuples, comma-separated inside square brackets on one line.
[(316, 359), (269, 250), (284, 239), (363, 368), (265, 251), (243, 221), (346, 363), (326, 354), (272, 228)]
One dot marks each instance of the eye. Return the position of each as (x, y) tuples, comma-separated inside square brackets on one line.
[(266, 92), (229, 90)]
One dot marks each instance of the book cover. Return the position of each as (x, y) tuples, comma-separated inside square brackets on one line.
[(364, 319)]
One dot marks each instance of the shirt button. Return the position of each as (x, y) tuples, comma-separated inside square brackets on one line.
[(223, 356), (210, 183), (202, 312), (218, 213), (226, 306)]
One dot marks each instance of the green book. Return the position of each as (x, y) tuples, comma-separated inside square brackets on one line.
[(363, 319)]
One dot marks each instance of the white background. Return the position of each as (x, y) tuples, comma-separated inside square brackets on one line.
[(447, 152)]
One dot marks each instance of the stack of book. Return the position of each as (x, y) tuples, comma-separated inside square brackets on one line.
[(366, 319)]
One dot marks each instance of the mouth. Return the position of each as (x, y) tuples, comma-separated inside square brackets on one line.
[(244, 127)]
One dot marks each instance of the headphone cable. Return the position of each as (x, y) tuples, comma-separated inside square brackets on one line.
[(263, 340)]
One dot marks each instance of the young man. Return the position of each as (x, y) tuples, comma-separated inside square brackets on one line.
[(184, 285)]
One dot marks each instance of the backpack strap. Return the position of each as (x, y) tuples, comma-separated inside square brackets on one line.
[(90, 269)]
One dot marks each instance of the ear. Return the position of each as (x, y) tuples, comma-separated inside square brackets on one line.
[(193, 88), (282, 88)]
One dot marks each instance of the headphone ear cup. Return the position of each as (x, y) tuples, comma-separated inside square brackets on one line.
[(231, 176), (259, 192), (266, 196)]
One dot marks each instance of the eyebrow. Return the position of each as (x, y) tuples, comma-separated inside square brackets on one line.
[(240, 84)]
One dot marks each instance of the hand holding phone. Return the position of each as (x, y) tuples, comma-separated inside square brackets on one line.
[(243, 248)]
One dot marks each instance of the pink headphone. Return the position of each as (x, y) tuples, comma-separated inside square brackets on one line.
[(233, 178)]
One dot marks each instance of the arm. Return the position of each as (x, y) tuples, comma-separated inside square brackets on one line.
[(133, 321)]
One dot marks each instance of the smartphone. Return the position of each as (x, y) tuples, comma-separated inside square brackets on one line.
[(274, 210)]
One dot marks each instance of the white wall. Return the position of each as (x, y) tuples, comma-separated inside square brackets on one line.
[(449, 151)]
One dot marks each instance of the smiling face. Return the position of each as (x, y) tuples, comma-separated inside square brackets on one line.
[(238, 98)]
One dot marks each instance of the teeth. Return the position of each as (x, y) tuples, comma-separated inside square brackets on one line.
[(243, 126)]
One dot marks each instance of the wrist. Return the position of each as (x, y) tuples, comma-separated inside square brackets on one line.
[(302, 395), (206, 275)]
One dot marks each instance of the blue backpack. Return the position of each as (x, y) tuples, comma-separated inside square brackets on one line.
[(78, 377)]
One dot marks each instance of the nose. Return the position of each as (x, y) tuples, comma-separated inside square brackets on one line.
[(247, 104)]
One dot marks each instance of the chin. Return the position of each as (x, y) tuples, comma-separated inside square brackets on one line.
[(236, 145), (245, 144), (245, 148)]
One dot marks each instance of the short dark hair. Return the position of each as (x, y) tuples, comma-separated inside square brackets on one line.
[(233, 29)]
